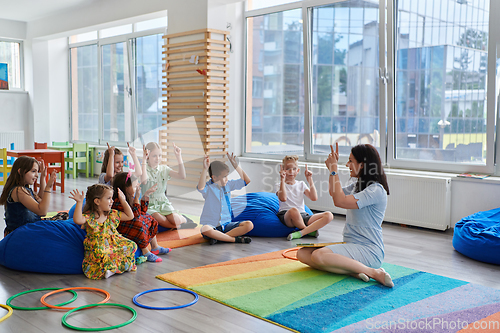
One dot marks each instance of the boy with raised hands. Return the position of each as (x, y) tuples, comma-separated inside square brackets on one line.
[(216, 216), (291, 193)]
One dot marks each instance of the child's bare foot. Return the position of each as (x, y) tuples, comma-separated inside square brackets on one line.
[(383, 277)]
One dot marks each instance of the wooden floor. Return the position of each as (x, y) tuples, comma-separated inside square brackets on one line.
[(421, 249)]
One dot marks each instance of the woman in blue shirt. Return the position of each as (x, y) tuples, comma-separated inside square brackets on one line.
[(365, 200)]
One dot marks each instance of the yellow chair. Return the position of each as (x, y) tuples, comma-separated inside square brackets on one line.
[(4, 167), (77, 157)]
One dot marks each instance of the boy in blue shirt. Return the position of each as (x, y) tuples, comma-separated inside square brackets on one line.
[(216, 214)]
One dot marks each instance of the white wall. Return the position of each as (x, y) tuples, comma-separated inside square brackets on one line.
[(12, 29)]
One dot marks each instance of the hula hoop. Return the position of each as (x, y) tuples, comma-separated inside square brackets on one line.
[(167, 307), (98, 329), (40, 307), (108, 296), (8, 308), (290, 250)]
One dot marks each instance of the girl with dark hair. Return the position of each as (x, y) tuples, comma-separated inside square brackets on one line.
[(365, 200), (106, 252), (142, 229), (22, 205)]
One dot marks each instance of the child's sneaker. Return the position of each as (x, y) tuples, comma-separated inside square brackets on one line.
[(314, 234), (294, 235), (212, 241), (242, 239)]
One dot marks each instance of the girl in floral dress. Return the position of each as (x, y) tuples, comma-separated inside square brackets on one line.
[(106, 251), (142, 229)]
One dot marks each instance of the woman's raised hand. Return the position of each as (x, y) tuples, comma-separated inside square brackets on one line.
[(333, 158), (77, 195)]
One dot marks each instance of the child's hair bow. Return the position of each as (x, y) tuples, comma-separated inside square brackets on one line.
[(128, 176)]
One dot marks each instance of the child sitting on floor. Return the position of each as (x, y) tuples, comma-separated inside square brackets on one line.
[(22, 205), (159, 205), (106, 251), (291, 193), (142, 229), (216, 214)]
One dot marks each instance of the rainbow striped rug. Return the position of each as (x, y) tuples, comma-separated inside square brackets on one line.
[(290, 294)]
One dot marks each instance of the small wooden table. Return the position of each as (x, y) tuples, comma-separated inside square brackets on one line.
[(47, 155), (68, 148)]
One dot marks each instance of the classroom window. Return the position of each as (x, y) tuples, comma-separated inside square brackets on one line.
[(10, 53), (431, 113), (116, 87)]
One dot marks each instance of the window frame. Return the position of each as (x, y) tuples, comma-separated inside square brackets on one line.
[(387, 92), (21, 63), (129, 40)]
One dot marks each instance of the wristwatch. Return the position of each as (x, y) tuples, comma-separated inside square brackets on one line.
[(333, 173)]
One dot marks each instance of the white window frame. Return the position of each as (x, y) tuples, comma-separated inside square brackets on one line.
[(127, 38), (21, 63), (387, 92)]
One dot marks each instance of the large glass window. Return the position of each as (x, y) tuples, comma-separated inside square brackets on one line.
[(116, 88), (345, 90), (441, 70), (276, 95), (148, 83), (84, 93), (116, 93), (407, 76), (10, 53)]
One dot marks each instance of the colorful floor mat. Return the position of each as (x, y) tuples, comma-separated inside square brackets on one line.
[(183, 237), (290, 294)]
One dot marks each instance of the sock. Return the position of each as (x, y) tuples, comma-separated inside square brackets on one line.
[(161, 250), (314, 234), (242, 239), (140, 260), (212, 241), (151, 257), (294, 235)]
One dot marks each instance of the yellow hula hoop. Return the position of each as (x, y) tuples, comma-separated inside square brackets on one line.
[(8, 308)]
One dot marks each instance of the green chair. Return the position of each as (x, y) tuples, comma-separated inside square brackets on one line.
[(61, 144), (79, 154)]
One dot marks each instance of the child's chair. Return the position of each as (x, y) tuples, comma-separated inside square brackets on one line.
[(40, 145), (79, 154), (5, 168)]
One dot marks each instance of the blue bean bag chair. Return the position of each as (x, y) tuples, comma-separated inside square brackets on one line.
[(478, 236), (45, 247), (261, 208)]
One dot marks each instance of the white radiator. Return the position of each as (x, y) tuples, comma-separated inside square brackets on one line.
[(418, 200), (15, 137)]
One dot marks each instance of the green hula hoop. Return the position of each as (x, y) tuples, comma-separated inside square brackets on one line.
[(75, 295), (98, 329)]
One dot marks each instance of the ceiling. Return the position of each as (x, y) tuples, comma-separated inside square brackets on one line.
[(30, 10)]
